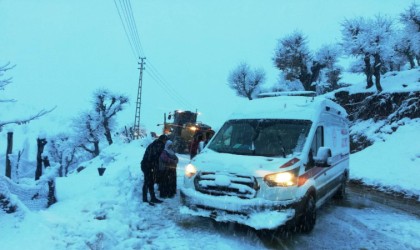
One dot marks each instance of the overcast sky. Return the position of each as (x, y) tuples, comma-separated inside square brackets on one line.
[(66, 49)]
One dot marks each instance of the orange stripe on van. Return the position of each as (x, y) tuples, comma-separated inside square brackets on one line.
[(290, 163), (311, 173)]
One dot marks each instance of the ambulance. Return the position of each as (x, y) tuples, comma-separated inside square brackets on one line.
[(274, 162)]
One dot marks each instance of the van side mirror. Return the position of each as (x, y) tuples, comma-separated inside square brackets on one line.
[(323, 157)]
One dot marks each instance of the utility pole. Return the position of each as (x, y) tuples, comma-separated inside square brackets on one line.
[(136, 127)]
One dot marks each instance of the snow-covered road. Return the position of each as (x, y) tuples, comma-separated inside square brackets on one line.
[(106, 212), (358, 222)]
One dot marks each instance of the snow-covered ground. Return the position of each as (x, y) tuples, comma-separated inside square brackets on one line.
[(106, 212), (393, 162)]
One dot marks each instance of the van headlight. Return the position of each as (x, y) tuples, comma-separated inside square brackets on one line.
[(190, 170), (282, 179)]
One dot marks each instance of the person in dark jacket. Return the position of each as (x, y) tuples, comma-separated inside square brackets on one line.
[(149, 166), (167, 167), (194, 145)]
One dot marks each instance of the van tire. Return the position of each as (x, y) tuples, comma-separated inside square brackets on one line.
[(308, 219)]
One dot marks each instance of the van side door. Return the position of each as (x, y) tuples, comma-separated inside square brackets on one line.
[(319, 174), (336, 138)]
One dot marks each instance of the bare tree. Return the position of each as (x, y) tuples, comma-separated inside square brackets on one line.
[(22, 120), (92, 125), (107, 105), (297, 63), (293, 58), (353, 45), (89, 130), (369, 39), (63, 150), (246, 82), (410, 18), (5, 81), (330, 72), (403, 47)]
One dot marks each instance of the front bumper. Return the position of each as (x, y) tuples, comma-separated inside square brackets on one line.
[(257, 212)]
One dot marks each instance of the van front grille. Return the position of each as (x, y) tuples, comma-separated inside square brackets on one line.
[(230, 184)]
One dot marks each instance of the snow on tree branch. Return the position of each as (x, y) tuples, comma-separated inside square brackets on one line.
[(27, 119), (21, 120), (3, 69), (107, 105), (246, 82)]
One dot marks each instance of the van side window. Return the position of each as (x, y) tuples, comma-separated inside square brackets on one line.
[(317, 142)]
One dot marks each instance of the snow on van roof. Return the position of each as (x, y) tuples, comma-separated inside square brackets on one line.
[(287, 107)]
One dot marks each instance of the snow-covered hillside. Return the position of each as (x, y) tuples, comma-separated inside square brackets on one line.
[(394, 158)]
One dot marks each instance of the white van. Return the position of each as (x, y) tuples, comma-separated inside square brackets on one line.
[(273, 162)]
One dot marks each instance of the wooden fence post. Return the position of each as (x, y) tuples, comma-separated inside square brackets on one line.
[(41, 144), (9, 151)]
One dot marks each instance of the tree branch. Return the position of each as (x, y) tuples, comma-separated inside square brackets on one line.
[(10, 100), (87, 149), (26, 120)]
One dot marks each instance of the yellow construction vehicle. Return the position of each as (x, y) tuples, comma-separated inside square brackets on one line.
[(183, 129)]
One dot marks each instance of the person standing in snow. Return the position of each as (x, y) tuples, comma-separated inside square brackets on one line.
[(167, 167), (194, 145), (208, 138), (149, 166), (201, 145)]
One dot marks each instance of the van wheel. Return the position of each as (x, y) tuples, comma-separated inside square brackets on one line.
[(307, 220)]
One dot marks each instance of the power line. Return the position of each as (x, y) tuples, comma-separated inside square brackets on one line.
[(166, 89), (126, 33), (131, 26), (125, 13), (169, 86), (135, 29)]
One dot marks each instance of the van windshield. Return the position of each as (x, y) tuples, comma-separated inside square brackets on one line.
[(261, 137)]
